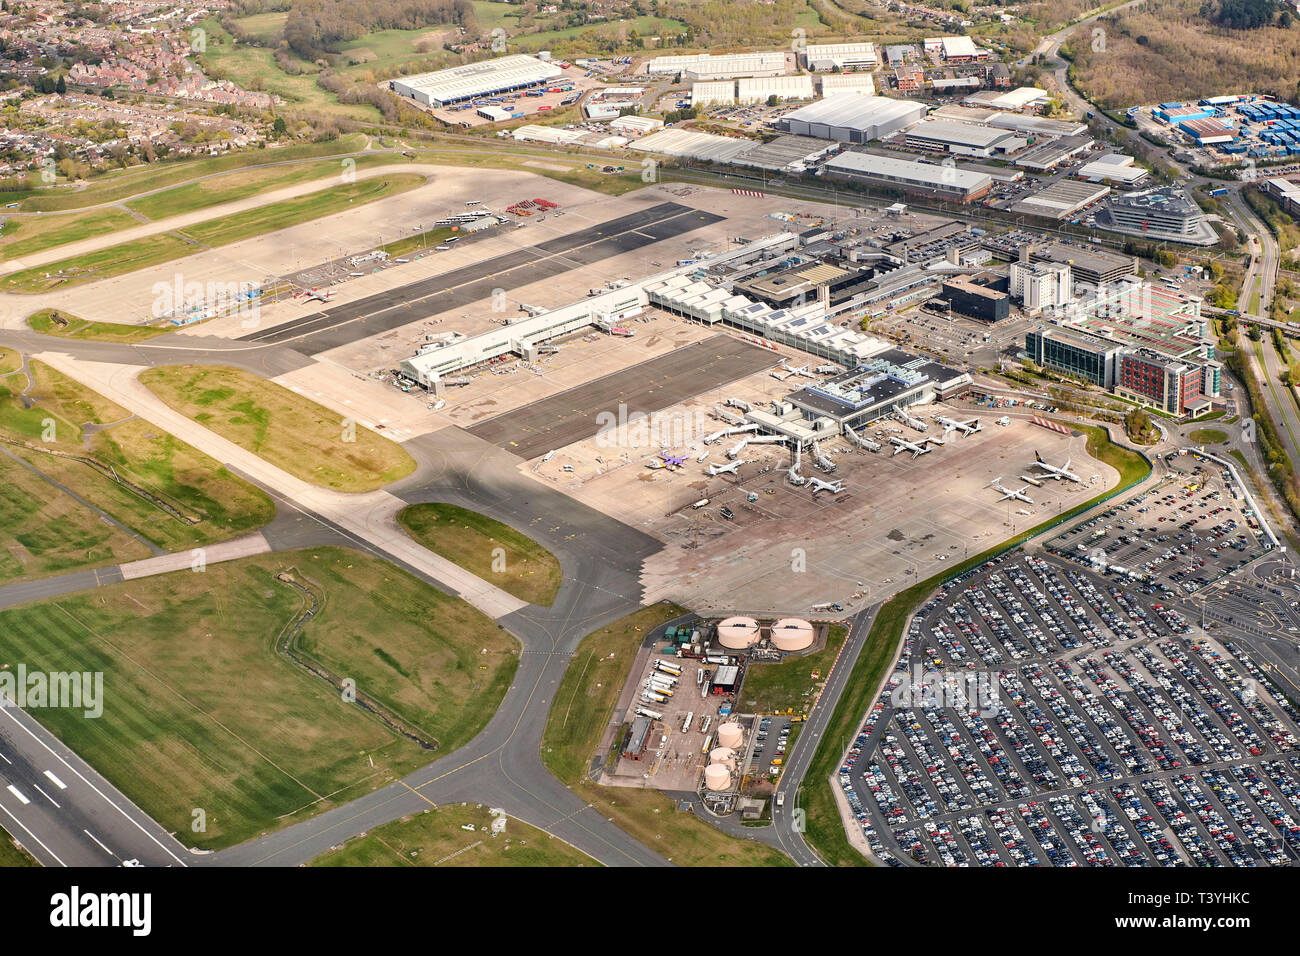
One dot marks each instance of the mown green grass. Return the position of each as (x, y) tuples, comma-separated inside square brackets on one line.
[(165, 247), (30, 234), (487, 548), (788, 686), (220, 504), (242, 184), (294, 433), (65, 326), (435, 838), (121, 184), (1208, 436), (10, 855), (201, 712)]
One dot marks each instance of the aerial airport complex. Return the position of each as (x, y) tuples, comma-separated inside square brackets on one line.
[(875, 421)]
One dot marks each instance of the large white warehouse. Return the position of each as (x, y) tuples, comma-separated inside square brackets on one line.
[(823, 57), (853, 117), (930, 179), (488, 78), (759, 89), (706, 66)]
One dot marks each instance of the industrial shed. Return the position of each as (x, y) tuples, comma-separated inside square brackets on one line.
[(853, 117), (487, 78), (693, 145), (759, 89)]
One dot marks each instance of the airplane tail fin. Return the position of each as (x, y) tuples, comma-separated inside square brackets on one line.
[(1037, 457)]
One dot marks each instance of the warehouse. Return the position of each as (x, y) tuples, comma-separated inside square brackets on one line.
[(848, 83), (853, 117), (1050, 153), (962, 139), (706, 66), (787, 153), (1062, 199), (473, 80), (751, 90), (824, 57), (961, 50), (692, 145), (1113, 168), (547, 134), (923, 179), (636, 125), (1208, 132), (1017, 99), (713, 93)]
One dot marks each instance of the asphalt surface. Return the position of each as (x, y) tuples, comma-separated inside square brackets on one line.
[(400, 306), (652, 385)]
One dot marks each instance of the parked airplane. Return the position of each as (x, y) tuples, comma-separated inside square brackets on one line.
[(917, 448), (834, 487), (1017, 493), (672, 461), (727, 469), (314, 294), (1052, 471), (966, 428)]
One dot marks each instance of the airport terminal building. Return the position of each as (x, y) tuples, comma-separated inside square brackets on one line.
[(891, 380)]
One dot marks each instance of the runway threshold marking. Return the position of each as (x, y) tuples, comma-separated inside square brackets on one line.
[(55, 780), (19, 794)]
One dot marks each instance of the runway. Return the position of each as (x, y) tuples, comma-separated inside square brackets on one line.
[(393, 308)]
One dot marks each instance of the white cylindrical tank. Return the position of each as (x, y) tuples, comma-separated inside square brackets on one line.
[(730, 735), (792, 634), (724, 756), (717, 777), (738, 633)]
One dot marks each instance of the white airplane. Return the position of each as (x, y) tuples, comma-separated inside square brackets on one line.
[(1017, 493), (966, 428), (917, 448), (834, 487), (1052, 471), (727, 469), (315, 294)]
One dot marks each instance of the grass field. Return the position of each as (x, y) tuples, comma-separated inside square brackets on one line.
[(435, 838), (165, 247), (24, 236), (254, 67), (292, 432), (825, 829), (201, 711), (1208, 436), (10, 855), (77, 328), (521, 566), (122, 184), (581, 710), (789, 687), (241, 184), (56, 531), (267, 27)]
